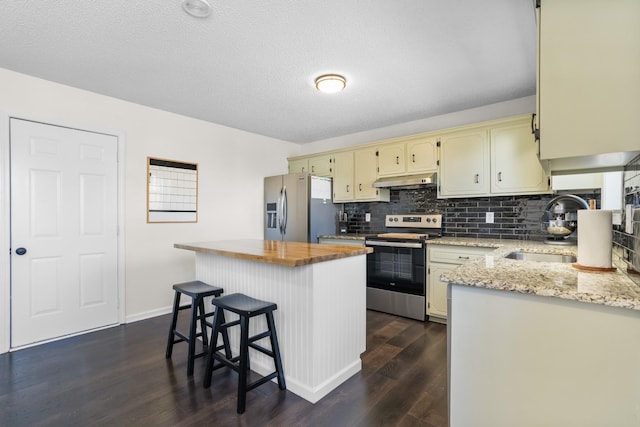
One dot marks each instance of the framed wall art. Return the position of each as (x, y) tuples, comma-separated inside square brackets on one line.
[(172, 191)]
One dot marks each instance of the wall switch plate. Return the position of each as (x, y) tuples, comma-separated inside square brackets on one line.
[(367, 217), (489, 218)]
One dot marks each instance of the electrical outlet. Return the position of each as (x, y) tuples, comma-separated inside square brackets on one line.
[(489, 218), (367, 217)]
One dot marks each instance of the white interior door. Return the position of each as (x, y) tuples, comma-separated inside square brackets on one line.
[(64, 215)]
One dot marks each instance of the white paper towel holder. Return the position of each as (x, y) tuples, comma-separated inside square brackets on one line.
[(595, 241)]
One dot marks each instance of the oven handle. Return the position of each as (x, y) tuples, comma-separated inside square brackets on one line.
[(393, 244)]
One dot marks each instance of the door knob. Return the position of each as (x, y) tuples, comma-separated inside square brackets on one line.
[(21, 251)]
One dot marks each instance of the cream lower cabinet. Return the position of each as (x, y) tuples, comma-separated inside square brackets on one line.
[(442, 258)]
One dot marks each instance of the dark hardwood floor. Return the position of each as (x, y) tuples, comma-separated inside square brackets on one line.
[(119, 376)]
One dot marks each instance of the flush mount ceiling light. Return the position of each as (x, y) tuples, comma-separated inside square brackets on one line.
[(331, 83), (197, 8)]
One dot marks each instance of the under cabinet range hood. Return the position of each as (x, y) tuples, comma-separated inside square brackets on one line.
[(406, 182)]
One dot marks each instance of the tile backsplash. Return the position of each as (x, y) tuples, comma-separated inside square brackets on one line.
[(515, 217)]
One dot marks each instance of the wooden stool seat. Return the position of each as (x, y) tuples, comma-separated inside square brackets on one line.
[(197, 291), (245, 307)]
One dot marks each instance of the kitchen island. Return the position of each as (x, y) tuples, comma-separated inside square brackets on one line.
[(320, 291), (542, 343)]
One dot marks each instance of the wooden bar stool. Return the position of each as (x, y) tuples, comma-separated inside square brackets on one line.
[(245, 307), (197, 291)]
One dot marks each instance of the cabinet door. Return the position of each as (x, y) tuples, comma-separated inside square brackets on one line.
[(464, 164), (366, 163), (343, 177), (589, 68), (515, 168), (437, 302), (321, 165), (422, 155), (391, 160), (299, 166)]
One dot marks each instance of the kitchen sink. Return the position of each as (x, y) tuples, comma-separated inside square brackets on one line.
[(532, 256)]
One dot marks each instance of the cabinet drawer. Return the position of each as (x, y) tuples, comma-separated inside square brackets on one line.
[(455, 254)]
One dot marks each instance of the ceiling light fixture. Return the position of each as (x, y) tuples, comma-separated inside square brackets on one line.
[(197, 8), (331, 83)]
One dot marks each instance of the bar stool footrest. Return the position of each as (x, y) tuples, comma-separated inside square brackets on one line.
[(261, 349), (258, 337), (261, 381)]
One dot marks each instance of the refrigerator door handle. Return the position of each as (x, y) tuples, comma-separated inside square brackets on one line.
[(285, 209), (279, 212)]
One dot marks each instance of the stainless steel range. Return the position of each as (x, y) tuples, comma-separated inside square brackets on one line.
[(396, 270)]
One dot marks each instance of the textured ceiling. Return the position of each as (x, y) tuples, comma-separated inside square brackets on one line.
[(251, 64)]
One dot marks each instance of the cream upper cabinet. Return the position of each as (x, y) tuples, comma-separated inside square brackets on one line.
[(321, 165), (422, 155), (353, 175), (589, 78), (412, 156), (391, 160), (464, 163), (343, 177), (515, 168), (299, 166), (366, 161)]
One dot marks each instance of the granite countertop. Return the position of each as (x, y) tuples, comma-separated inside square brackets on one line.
[(550, 279), (291, 254)]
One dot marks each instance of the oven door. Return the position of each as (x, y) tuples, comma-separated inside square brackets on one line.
[(397, 266)]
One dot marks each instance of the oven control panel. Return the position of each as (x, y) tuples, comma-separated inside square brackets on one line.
[(414, 221)]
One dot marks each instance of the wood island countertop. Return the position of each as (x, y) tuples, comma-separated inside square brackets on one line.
[(291, 254)]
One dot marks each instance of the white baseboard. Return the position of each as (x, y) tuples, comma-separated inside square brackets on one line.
[(316, 393), (148, 314)]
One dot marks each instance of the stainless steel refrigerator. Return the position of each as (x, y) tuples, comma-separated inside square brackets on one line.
[(298, 208)]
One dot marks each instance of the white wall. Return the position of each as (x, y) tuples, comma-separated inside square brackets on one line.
[(232, 164), (499, 110)]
